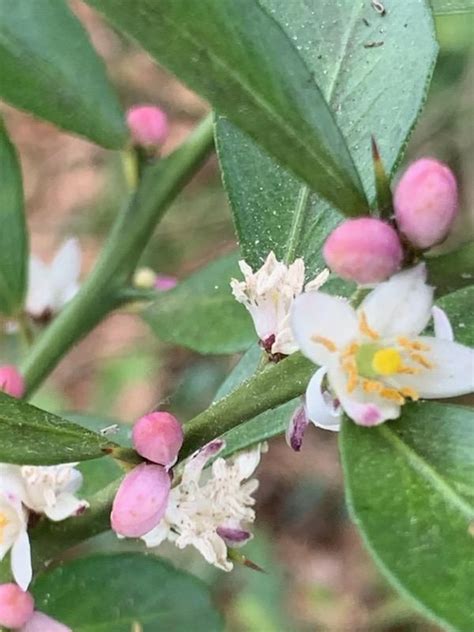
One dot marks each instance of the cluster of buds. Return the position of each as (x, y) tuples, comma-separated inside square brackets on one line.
[(141, 500), (17, 612), (368, 250)]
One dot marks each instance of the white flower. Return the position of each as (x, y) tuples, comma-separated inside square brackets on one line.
[(51, 489), (51, 286), (211, 513), (374, 357), (13, 526), (268, 295)]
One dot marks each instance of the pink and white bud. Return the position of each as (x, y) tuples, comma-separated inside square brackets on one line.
[(233, 536), (426, 202), (141, 500), (296, 428), (11, 381), (40, 622), (158, 437), (365, 250), (148, 125), (165, 282), (16, 606)]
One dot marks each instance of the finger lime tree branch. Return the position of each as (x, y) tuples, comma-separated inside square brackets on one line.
[(271, 387), (132, 230)]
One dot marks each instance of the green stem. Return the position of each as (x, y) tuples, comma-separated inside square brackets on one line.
[(130, 234)]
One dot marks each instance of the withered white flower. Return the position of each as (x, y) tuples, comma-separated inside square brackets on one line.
[(51, 286), (51, 490), (211, 509), (268, 295), (373, 356), (14, 526)]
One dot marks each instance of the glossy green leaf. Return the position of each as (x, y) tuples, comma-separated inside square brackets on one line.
[(236, 56), (452, 270), (458, 307), (264, 426), (13, 235), (443, 7), (50, 69), (30, 436), (201, 313), (410, 489), (112, 593), (373, 71)]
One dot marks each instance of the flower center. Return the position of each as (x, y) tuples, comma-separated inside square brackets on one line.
[(386, 361), (3, 524)]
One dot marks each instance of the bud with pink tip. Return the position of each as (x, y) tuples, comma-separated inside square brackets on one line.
[(164, 282), (141, 500), (40, 622), (148, 125), (158, 437), (365, 250), (11, 381), (16, 606), (426, 202)]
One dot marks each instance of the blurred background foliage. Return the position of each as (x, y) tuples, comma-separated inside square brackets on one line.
[(318, 577)]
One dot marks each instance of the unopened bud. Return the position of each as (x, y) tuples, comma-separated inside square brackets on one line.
[(426, 202), (148, 125), (16, 606), (165, 282), (365, 250), (40, 622), (11, 381), (141, 500), (158, 437)]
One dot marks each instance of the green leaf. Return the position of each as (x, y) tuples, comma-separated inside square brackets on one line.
[(201, 313), (372, 91), (442, 7), (236, 56), (50, 69), (452, 270), (458, 307), (13, 235), (264, 426), (30, 436), (409, 486), (110, 593)]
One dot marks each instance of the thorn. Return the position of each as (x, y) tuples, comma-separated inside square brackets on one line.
[(239, 558)]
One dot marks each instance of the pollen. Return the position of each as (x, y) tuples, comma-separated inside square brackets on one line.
[(386, 361), (365, 328), (393, 395), (421, 359), (329, 344), (410, 392), (414, 345)]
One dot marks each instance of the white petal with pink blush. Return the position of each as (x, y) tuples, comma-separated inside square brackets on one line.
[(374, 355)]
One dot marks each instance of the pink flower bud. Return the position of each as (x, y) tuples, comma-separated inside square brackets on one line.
[(365, 250), (164, 282), (11, 381), (141, 500), (148, 125), (158, 437), (40, 622), (426, 202), (16, 606)]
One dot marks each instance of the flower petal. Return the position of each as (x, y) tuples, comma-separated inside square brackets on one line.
[(40, 292), (321, 408), (21, 560), (296, 428), (452, 374), (363, 408), (66, 505), (329, 317), (400, 306), (442, 326), (157, 535), (65, 270)]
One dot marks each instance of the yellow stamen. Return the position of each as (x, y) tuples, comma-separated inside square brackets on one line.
[(408, 370), (386, 361), (371, 386), (415, 345), (365, 328), (421, 359), (329, 344), (393, 395), (406, 391), (3, 524), (351, 350)]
